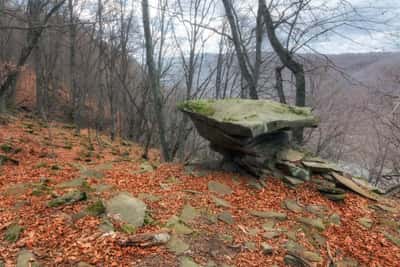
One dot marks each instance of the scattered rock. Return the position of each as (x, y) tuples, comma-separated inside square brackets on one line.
[(292, 181), (67, 199), (354, 187), (292, 205), (127, 208), (271, 234), (317, 209), (226, 217), (178, 227), (25, 258), (335, 197), (269, 215), (316, 223), (250, 246), (13, 232), (177, 245), (189, 213), (267, 249), (269, 225), (221, 202), (219, 188), (366, 222), (335, 219)]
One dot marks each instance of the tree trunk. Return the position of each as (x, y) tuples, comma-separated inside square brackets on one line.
[(279, 85), (154, 81), (288, 61), (249, 79)]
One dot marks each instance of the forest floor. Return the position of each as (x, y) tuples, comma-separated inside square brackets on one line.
[(214, 218)]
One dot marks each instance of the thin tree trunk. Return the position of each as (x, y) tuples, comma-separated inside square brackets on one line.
[(250, 82), (279, 84), (154, 82)]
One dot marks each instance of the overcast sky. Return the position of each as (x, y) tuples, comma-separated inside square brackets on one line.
[(383, 34)]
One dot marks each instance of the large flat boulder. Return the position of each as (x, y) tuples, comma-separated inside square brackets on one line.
[(246, 118)]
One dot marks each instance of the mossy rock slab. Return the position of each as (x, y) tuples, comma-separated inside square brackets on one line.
[(127, 208), (313, 222), (248, 118), (269, 215)]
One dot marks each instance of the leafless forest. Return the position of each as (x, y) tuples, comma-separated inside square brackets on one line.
[(121, 66)]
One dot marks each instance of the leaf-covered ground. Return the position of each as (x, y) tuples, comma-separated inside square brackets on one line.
[(215, 218)]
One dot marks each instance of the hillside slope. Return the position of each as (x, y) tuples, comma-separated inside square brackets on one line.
[(214, 218)]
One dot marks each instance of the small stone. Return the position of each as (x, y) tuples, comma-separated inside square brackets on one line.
[(84, 264), (366, 222), (13, 232), (25, 258), (316, 223), (267, 249), (317, 209), (269, 225), (226, 217), (221, 202), (292, 205), (250, 246), (335, 219), (335, 197), (311, 256), (271, 234), (68, 198), (178, 227), (269, 215), (253, 231), (219, 188)]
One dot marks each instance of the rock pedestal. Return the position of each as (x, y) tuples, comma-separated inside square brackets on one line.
[(248, 132)]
